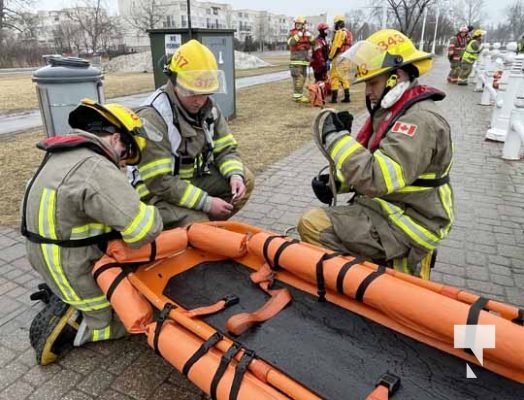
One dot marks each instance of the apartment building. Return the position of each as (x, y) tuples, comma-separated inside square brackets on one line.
[(271, 27)]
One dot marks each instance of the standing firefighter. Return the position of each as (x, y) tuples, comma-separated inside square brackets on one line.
[(194, 173), (471, 54), (320, 59), (300, 42), (398, 164), (78, 200), (456, 47), (342, 41)]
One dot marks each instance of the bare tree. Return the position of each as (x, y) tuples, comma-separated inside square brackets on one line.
[(515, 18), (93, 21), (469, 11), (67, 37), (147, 15), (12, 13), (406, 13), (357, 22)]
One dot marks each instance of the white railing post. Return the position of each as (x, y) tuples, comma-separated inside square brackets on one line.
[(515, 137), (505, 101)]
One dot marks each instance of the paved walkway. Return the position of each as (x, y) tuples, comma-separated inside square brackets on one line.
[(484, 254)]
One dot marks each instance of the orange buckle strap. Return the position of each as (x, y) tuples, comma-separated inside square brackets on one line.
[(280, 298), (225, 302), (386, 387)]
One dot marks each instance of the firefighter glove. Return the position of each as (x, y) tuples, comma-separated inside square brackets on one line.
[(321, 188), (339, 122)]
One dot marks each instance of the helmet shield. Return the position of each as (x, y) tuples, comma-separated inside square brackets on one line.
[(364, 60), (198, 82)]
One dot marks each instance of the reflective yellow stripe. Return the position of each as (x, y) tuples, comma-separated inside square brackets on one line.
[(190, 196), (231, 167), (343, 148), (391, 171), (141, 224), (101, 334), (446, 198), (221, 143), (155, 168), (142, 190), (51, 252), (401, 264), (415, 231), (90, 304), (299, 62), (186, 172), (89, 230)]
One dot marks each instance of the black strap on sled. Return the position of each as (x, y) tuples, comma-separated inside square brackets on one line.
[(219, 373), (321, 282), (520, 318), (344, 270), (127, 268), (275, 264), (159, 322), (474, 314), (202, 350), (361, 290), (240, 370)]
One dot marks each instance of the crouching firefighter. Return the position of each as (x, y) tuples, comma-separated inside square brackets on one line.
[(77, 200), (398, 164)]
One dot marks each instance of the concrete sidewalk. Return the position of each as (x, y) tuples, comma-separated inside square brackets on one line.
[(483, 254)]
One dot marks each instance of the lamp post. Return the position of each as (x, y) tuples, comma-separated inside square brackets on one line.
[(436, 28), (189, 19), (421, 44)]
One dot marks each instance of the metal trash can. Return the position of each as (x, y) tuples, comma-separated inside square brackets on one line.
[(164, 42), (60, 86)]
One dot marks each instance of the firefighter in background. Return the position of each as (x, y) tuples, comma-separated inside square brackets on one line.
[(520, 44), (398, 164), (342, 41), (78, 200), (320, 58), (456, 47), (194, 173), (300, 42), (470, 55)]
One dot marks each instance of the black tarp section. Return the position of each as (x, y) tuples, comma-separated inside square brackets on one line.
[(336, 353)]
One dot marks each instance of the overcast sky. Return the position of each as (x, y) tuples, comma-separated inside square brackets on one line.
[(494, 9)]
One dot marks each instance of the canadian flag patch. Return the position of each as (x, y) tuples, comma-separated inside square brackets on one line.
[(405, 128)]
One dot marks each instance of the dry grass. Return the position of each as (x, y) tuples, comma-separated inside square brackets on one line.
[(19, 93), (18, 90), (268, 126)]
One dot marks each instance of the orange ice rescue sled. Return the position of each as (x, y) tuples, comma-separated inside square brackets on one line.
[(248, 314)]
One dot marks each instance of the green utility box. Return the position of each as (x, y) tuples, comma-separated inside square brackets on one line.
[(164, 42)]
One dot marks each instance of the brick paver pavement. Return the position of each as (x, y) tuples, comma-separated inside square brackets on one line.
[(484, 254)]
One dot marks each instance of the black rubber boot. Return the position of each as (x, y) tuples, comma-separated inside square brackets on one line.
[(346, 98), (333, 96), (53, 330)]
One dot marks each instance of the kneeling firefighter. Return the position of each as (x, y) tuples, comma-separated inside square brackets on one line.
[(398, 164), (79, 199)]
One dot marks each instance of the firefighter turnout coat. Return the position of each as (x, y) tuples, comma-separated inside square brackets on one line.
[(76, 199), (194, 160), (399, 164)]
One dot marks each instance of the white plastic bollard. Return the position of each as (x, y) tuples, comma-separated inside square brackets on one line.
[(504, 104), (515, 137), (489, 93)]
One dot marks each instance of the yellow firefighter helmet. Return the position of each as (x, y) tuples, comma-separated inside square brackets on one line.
[(383, 51), (93, 117), (194, 69)]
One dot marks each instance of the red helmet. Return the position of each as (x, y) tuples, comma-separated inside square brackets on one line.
[(322, 26)]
